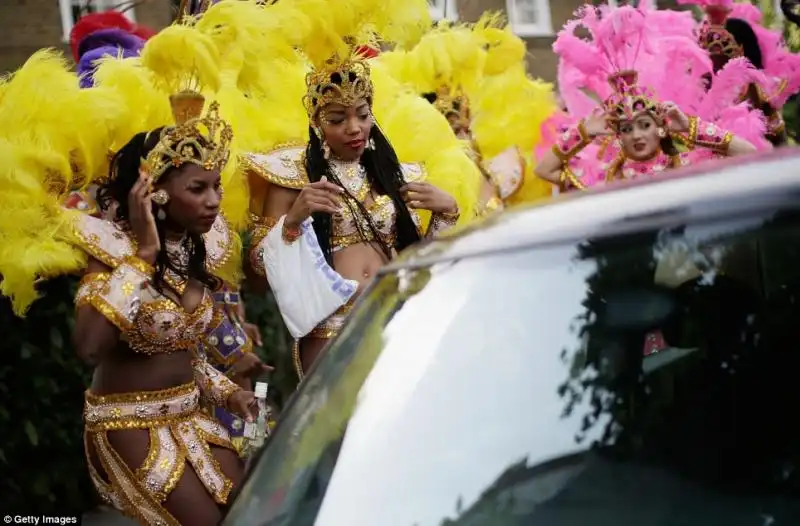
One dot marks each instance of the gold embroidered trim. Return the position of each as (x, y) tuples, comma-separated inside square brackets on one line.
[(277, 179)]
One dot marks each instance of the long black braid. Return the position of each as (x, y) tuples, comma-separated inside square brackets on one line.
[(123, 174), (384, 175)]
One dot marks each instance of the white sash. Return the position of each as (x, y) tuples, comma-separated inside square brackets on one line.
[(306, 288)]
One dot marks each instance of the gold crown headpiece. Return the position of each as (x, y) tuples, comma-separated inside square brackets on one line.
[(197, 139), (453, 103), (341, 81), (629, 100)]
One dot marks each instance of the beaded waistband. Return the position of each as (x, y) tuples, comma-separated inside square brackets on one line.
[(333, 324), (140, 410)]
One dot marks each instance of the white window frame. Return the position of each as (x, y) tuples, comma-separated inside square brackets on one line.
[(65, 7), (543, 28), (444, 10)]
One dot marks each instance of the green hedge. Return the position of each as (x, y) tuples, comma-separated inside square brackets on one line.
[(42, 383)]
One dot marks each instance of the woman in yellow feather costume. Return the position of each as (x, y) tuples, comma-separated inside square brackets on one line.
[(144, 308), (357, 168), (476, 77)]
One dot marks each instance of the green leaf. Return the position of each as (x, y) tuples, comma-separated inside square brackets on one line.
[(30, 430), (26, 351), (56, 338)]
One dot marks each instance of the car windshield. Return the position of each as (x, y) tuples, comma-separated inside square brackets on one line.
[(646, 378)]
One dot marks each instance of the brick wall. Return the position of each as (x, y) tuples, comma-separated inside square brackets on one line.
[(29, 25)]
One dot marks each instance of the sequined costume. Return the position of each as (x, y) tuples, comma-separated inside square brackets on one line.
[(475, 76), (426, 149), (56, 141), (111, 34), (152, 323), (624, 77)]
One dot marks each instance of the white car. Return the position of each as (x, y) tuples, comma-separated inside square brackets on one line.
[(629, 356)]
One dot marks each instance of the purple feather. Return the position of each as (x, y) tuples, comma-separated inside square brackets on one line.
[(110, 37), (88, 62)]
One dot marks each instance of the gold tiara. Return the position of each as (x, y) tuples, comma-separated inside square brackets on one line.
[(341, 81), (197, 139)]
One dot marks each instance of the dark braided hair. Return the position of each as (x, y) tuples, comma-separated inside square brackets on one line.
[(384, 175), (123, 174)]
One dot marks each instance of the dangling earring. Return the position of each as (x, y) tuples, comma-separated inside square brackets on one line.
[(371, 144), (160, 197), (161, 214), (326, 150), (662, 133)]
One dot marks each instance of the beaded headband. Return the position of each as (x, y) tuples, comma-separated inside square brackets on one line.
[(197, 139), (340, 81), (630, 100)]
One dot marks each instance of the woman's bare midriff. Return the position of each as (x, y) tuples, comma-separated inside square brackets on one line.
[(124, 371), (357, 262)]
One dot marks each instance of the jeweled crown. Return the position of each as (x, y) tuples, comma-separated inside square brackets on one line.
[(714, 38), (629, 99), (340, 80), (195, 138)]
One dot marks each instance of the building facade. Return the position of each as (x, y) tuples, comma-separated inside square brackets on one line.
[(30, 25)]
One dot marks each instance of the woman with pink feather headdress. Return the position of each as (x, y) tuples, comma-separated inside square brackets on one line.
[(732, 30), (619, 127)]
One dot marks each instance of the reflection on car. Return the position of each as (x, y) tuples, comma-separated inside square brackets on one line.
[(503, 376)]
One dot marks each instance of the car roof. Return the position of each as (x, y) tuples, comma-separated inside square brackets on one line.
[(722, 188)]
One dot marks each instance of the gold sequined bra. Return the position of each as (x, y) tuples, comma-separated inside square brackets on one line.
[(150, 321), (285, 167)]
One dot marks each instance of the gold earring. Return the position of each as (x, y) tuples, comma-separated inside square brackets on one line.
[(160, 197), (662, 133), (326, 150)]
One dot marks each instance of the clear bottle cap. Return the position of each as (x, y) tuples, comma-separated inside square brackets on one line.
[(261, 390)]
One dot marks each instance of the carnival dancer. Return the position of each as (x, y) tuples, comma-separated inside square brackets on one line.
[(337, 203), (230, 338), (733, 30), (476, 77), (634, 131), (145, 303)]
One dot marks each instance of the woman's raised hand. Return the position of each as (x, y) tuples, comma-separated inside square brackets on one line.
[(143, 224), (322, 196)]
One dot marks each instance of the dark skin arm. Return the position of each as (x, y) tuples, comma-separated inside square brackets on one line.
[(94, 335)]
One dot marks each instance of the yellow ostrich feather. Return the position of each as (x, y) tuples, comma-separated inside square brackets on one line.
[(509, 110), (420, 134), (33, 227), (147, 105), (504, 49), (43, 107), (334, 22), (181, 57), (248, 32), (446, 56)]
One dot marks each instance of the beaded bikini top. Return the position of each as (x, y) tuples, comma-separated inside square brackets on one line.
[(285, 167), (161, 325)]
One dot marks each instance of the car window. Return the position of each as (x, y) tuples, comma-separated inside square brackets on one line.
[(647, 378)]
